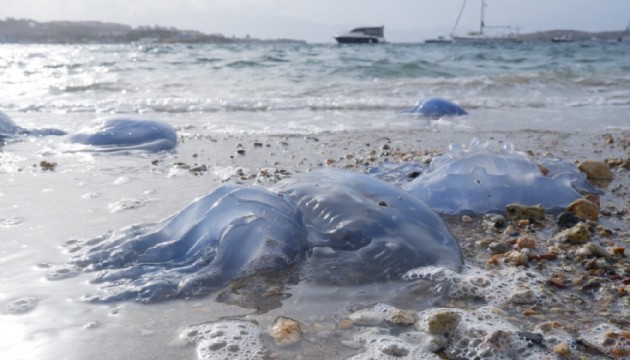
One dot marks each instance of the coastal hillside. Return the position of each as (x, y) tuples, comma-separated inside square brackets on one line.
[(572, 35), (73, 32)]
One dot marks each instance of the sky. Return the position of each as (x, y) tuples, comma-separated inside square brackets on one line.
[(320, 20)]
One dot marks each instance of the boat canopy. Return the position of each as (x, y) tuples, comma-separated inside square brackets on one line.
[(378, 31)]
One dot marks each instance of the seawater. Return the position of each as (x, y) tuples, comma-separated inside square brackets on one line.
[(216, 91), (307, 88)]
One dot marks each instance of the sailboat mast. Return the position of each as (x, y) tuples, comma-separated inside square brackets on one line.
[(458, 17), (482, 24)]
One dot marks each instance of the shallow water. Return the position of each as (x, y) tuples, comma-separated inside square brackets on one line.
[(311, 87), (306, 106)]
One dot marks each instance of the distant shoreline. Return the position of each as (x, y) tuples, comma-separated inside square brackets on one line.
[(26, 31)]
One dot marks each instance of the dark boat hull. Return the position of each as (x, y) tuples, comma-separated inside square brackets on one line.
[(356, 40)]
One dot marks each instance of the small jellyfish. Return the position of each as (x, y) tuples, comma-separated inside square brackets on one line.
[(123, 134), (436, 108)]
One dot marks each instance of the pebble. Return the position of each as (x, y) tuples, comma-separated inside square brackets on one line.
[(583, 252), (517, 212), (584, 209), (579, 234), (499, 247), (619, 251), (286, 331), (528, 242), (443, 322), (522, 295), (517, 258), (467, 219), (494, 220), (47, 165), (567, 220), (402, 318), (366, 317), (599, 251), (596, 170), (562, 349), (345, 324), (622, 163)]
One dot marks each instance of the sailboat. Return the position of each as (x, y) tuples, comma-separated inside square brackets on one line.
[(625, 35), (483, 37)]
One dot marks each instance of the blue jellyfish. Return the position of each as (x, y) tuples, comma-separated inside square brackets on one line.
[(123, 134), (436, 108)]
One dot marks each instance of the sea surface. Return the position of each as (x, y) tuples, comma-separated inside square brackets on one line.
[(306, 88), (221, 98)]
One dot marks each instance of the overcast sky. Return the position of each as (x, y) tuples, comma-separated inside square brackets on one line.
[(319, 20)]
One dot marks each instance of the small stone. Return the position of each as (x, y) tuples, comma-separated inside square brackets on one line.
[(549, 326), (47, 165), (618, 163), (619, 251), (395, 351), (285, 331), (495, 259), (528, 242), (584, 252), (530, 312), (599, 251), (517, 258), (485, 242), (345, 324), (522, 295), (556, 283), (499, 247), (443, 322), (517, 212), (609, 139), (330, 162), (593, 198), (366, 317), (585, 209), (596, 170), (467, 219), (605, 232), (562, 349), (402, 318), (494, 220), (568, 220), (579, 234)]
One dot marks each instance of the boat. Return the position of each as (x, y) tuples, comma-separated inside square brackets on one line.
[(482, 36), (362, 35), (562, 39), (625, 35), (438, 40)]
